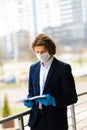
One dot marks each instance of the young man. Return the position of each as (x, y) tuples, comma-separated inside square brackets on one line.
[(52, 78)]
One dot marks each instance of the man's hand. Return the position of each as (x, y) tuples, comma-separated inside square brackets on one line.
[(49, 100), (28, 104)]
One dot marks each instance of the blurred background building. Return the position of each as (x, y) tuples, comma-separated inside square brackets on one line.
[(73, 29), (20, 20)]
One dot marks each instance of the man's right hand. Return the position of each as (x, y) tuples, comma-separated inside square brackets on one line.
[(28, 104)]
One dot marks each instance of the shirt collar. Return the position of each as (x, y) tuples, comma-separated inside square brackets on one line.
[(47, 63)]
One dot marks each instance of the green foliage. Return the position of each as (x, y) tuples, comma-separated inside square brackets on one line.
[(6, 109)]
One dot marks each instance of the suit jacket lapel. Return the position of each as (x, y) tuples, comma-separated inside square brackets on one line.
[(52, 68)]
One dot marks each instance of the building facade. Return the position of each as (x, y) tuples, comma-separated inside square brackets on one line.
[(73, 18)]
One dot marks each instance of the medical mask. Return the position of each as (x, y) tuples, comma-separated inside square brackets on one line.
[(44, 57)]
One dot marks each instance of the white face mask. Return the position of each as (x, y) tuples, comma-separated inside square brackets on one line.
[(44, 57)]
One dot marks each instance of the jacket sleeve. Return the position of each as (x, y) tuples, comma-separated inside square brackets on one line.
[(69, 95), (30, 86)]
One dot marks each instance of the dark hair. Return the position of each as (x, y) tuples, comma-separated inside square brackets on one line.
[(44, 40)]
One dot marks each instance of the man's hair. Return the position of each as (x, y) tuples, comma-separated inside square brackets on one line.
[(44, 40)]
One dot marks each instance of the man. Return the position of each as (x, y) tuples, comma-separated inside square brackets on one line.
[(52, 78)]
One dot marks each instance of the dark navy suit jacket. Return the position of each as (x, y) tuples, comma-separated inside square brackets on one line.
[(60, 84)]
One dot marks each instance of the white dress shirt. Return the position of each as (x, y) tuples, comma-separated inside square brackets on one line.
[(44, 69)]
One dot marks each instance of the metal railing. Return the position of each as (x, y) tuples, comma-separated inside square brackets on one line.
[(77, 113), (81, 112), (77, 116), (20, 120)]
